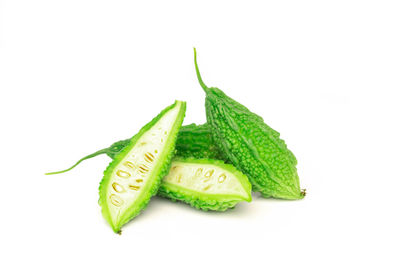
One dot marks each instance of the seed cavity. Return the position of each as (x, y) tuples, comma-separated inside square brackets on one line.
[(199, 171), (129, 164), (207, 176), (118, 188), (222, 178), (134, 187), (116, 200), (179, 178), (149, 157), (123, 174), (209, 173), (139, 180), (207, 187), (143, 168)]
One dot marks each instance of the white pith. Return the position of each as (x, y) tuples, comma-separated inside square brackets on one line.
[(122, 192), (205, 179)]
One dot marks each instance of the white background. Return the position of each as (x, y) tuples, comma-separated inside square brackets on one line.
[(77, 75)]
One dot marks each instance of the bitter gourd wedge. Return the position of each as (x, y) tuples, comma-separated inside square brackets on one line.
[(135, 174), (251, 145), (205, 184), (193, 141)]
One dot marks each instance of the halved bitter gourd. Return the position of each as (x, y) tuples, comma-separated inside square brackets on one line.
[(205, 184), (135, 174)]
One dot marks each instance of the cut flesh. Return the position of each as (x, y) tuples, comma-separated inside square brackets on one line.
[(206, 180), (135, 174)]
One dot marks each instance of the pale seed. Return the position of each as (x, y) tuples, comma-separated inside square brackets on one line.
[(116, 200), (123, 174), (118, 188), (221, 178), (134, 187)]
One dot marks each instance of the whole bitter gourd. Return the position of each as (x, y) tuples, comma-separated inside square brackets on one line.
[(135, 174), (205, 184), (251, 145), (193, 141)]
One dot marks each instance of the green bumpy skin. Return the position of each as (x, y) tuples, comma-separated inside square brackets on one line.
[(205, 184), (193, 141), (196, 141), (135, 174), (251, 145)]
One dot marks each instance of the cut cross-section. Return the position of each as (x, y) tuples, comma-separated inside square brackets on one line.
[(205, 184), (135, 174)]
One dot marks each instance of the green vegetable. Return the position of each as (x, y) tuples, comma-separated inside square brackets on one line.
[(251, 145), (193, 141), (194, 144), (205, 184), (196, 141), (135, 174)]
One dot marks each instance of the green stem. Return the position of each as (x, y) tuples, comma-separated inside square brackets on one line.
[(202, 84), (102, 151)]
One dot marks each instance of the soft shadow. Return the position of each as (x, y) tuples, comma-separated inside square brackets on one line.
[(240, 210)]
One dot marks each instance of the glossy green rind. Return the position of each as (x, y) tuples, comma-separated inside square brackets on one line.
[(152, 181), (219, 200), (251, 145)]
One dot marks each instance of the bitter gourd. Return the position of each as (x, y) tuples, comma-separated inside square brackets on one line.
[(251, 145), (205, 184), (193, 141), (135, 174), (196, 141), (195, 149)]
